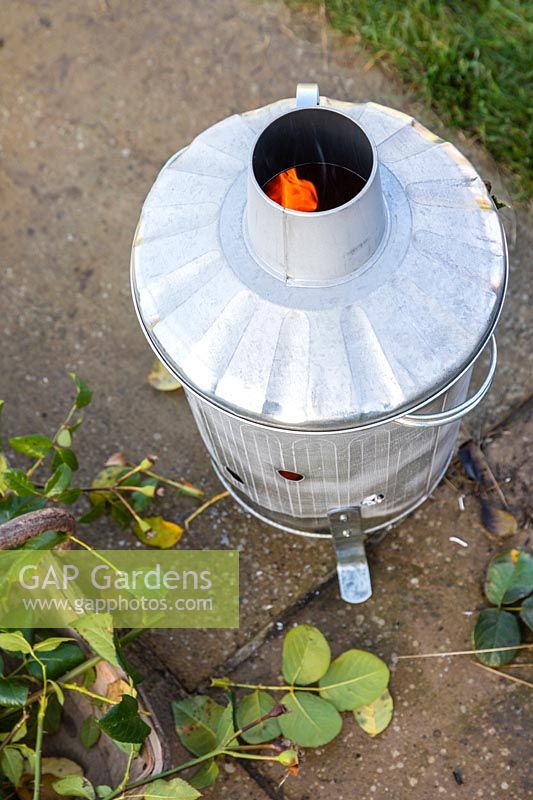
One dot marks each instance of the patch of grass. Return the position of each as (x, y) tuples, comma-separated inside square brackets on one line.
[(470, 60)]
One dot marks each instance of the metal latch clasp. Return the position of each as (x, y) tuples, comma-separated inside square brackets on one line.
[(349, 542)]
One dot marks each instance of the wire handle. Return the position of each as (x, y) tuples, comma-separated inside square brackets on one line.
[(457, 412)]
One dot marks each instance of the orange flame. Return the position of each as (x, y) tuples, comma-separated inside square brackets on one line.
[(293, 192)]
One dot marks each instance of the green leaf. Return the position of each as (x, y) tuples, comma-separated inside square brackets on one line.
[(176, 789), (21, 733), (92, 515), (64, 438), (160, 532), (34, 445), (196, 722), (141, 501), (59, 481), (123, 723), (509, 577), (225, 733), (13, 506), (13, 693), (45, 541), (206, 775), (251, 708), (58, 691), (354, 679), (54, 715), (61, 659), (526, 614), (74, 786), (14, 643), (3, 466), (107, 477), (64, 455), (103, 790), (376, 716), (496, 628), (12, 764), (120, 514), (18, 482), (311, 721), (126, 665), (90, 732), (61, 767), (53, 642), (69, 496), (83, 393), (306, 655), (97, 630)]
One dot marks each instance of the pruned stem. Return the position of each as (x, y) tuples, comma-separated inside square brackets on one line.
[(466, 652), (191, 490), (202, 508), (509, 677)]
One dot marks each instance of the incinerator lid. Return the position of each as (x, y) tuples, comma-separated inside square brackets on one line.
[(329, 319)]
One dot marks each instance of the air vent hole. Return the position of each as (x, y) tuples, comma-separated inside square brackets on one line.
[(234, 475), (290, 476), (373, 499)]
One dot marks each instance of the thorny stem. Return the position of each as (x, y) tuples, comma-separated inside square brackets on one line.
[(126, 777), (43, 701), (73, 687), (203, 507)]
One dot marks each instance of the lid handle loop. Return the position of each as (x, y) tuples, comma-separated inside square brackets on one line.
[(307, 95)]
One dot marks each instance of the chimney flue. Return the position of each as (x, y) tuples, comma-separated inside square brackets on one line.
[(343, 233)]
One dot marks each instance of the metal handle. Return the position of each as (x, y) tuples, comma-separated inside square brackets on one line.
[(307, 94), (453, 414)]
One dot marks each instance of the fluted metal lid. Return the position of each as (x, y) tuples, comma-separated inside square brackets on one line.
[(352, 351)]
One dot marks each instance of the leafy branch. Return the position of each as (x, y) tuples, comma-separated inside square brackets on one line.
[(122, 490), (509, 579)]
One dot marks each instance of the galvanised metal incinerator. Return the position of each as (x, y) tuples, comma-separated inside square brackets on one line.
[(322, 276)]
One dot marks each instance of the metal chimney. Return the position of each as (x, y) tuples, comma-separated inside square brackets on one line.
[(326, 355)]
